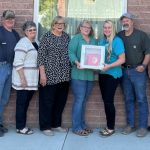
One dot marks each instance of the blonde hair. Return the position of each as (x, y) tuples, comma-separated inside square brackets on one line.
[(111, 37), (56, 19), (84, 22)]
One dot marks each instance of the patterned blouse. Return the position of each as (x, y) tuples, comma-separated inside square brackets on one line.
[(53, 54)]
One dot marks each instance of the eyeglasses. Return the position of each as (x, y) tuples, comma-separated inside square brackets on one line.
[(30, 30), (86, 27), (59, 23), (10, 19)]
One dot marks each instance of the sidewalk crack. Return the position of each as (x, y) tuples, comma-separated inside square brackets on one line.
[(65, 139)]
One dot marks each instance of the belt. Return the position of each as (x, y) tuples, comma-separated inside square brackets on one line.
[(3, 62), (129, 66)]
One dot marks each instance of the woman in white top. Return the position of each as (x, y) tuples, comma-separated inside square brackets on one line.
[(25, 74)]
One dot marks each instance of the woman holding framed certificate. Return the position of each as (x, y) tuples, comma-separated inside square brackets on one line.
[(111, 73), (81, 79)]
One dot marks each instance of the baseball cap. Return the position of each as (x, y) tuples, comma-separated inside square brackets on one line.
[(127, 15), (7, 14)]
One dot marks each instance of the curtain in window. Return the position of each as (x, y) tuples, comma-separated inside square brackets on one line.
[(76, 10)]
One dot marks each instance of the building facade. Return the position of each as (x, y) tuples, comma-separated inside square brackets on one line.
[(26, 10)]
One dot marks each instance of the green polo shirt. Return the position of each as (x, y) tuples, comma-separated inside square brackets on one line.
[(137, 45), (75, 54)]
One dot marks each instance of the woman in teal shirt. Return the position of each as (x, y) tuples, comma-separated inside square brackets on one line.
[(110, 75), (81, 79)]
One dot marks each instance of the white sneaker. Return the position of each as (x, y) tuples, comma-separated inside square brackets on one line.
[(48, 132), (59, 129)]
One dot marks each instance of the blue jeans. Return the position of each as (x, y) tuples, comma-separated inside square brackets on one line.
[(81, 91), (134, 88), (5, 87)]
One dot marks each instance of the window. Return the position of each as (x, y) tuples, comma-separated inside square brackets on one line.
[(76, 10)]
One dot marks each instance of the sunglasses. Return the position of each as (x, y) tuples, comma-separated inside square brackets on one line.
[(31, 30)]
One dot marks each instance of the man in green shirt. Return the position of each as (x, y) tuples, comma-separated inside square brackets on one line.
[(137, 52)]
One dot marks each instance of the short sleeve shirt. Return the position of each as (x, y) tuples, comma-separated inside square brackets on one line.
[(8, 41), (117, 49), (137, 45)]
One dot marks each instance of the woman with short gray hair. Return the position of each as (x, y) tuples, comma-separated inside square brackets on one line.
[(25, 74), (27, 25)]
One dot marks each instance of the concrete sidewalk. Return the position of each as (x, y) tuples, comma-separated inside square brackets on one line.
[(70, 141)]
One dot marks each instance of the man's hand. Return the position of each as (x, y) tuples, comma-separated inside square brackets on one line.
[(140, 68)]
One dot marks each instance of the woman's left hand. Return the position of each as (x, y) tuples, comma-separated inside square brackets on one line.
[(106, 67)]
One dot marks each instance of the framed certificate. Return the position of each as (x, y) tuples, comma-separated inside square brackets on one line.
[(92, 57)]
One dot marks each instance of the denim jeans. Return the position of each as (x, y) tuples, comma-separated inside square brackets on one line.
[(134, 88), (5, 87), (81, 91)]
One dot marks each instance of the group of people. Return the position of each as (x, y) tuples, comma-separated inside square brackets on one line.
[(54, 64)]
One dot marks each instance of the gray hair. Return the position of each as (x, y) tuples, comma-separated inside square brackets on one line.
[(56, 19), (28, 24)]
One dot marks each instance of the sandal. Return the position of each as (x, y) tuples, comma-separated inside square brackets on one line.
[(106, 132), (88, 130), (26, 131), (81, 133)]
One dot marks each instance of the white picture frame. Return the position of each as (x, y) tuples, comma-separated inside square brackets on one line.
[(92, 57)]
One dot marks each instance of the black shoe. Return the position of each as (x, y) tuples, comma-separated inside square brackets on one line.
[(3, 129), (1, 133)]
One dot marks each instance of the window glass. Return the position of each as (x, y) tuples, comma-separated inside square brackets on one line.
[(76, 10)]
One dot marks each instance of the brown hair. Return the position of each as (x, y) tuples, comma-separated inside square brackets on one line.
[(82, 23)]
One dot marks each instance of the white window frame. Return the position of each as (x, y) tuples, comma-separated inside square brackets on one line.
[(124, 9), (36, 13)]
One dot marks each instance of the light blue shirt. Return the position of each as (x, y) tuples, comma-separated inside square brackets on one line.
[(117, 49)]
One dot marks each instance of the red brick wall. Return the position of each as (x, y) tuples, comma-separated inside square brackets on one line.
[(95, 111), (141, 8)]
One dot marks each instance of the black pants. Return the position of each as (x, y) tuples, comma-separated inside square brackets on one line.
[(108, 86), (52, 100), (22, 103)]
